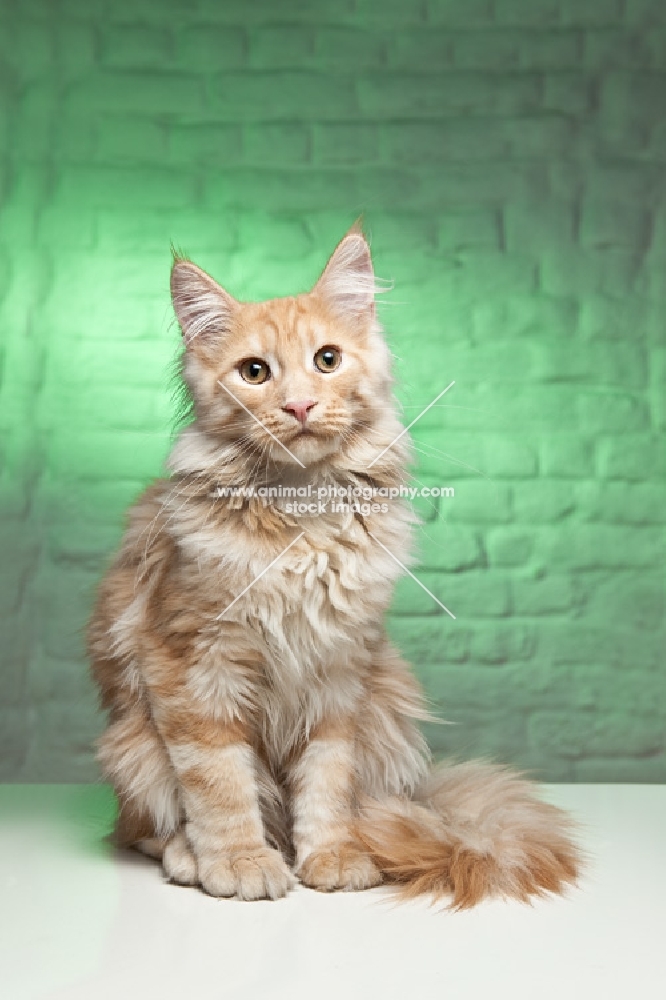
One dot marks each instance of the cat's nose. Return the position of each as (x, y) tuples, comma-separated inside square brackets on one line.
[(300, 409)]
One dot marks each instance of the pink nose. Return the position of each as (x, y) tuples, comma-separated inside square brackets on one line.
[(300, 409)]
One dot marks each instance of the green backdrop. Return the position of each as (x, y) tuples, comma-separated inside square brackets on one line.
[(508, 157)]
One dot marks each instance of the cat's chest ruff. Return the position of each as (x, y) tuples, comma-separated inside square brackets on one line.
[(341, 560), (307, 588)]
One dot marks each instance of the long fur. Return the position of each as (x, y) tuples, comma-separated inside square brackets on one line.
[(261, 726), (473, 830)]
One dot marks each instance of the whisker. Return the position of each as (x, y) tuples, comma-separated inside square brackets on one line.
[(450, 406), (456, 461)]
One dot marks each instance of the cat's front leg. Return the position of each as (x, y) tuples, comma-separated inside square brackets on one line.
[(215, 765), (327, 856)]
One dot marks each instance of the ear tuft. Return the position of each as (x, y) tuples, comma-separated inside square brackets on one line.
[(177, 254), (348, 281), (203, 309)]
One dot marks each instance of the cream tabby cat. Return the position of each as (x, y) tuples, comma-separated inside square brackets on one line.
[(261, 726)]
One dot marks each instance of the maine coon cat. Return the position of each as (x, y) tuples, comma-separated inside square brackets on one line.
[(261, 726)]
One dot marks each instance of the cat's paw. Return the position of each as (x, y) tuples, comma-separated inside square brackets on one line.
[(178, 861), (256, 873), (340, 866)]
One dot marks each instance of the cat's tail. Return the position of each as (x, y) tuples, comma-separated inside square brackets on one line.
[(472, 830)]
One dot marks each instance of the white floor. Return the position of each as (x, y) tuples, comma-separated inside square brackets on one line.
[(79, 921)]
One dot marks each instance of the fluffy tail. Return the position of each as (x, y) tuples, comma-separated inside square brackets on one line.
[(473, 830)]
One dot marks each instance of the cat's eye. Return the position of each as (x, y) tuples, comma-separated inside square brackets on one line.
[(327, 359), (254, 370)]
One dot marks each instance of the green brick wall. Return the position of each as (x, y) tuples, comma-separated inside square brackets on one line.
[(508, 156)]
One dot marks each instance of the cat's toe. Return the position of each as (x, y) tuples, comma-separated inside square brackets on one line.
[(178, 861), (256, 873), (342, 866), (261, 874)]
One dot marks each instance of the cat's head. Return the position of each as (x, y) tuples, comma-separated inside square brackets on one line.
[(310, 371)]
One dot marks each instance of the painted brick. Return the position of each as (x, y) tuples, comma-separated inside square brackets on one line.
[(281, 46), (658, 387), (346, 143), (27, 47), (115, 408), (550, 595), (130, 140), (640, 605), (424, 50), (509, 547), (524, 13), (391, 12), (516, 48), (74, 141), (590, 684), (14, 741), (647, 13), (266, 13), (643, 770), (619, 48), (491, 458), (480, 502), (568, 93), (543, 501), (280, 95), (149, 93), (136, 49), (339, 48), (609, 411), (440, 546), (539, 225), (473, 228), (150, 229), (107, 455), (104, 187), (34, 131), (604, 318), (211, 48), (401, 231), (423, 143), (611, 642), (427, 636), (603, 547), (76, 48), (472, 595), (591, 13), (460, 13), (60, 735), (274, 236), (634, 457), (612, 223), (534, 317), (622, 503), (614, 364), (505, 643), (449, 93), (577, 734), (205, 144), (283, 143)]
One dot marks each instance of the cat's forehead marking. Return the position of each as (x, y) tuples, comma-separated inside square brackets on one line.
[(287, 323)]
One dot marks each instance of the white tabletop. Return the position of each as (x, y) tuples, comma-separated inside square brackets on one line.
[(79, 921)]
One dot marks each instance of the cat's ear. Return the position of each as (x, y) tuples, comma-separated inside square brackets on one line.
[(348, 283), (204, 310)]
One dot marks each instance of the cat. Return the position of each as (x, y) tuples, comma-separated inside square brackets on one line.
[(262, 728)]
